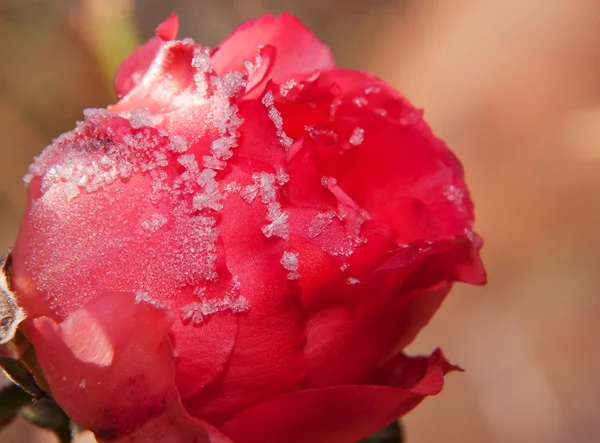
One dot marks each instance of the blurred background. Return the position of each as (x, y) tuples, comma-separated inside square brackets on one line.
[(513, 86)]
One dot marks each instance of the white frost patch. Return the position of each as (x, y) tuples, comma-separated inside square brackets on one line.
[(139, 118), (289, 261), (143, 297), (318, 224), (282, 177), (352, 281), (268, 100), (360, 101), (357, 137), (286, 87), (278, 225), (155, 222), (210, 197), (253, 67), (178, 144), (198, 311), (454, 194)]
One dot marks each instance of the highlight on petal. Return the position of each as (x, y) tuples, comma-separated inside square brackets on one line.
[(342, 414)]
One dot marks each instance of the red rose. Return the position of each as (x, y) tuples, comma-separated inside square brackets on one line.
[(242, 246)]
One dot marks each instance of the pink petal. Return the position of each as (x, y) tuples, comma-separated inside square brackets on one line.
[(113, 375), (268, 356), (167, 30), (170, 78), (298, 50), (339, 414), (135, 66), (414, 184)]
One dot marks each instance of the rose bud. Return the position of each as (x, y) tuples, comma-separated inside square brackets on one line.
[(242, 246)]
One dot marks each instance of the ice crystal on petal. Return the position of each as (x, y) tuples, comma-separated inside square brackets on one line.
[(279, 225), (155, 222), (275, 116), (252, 67), (143, 297), (178, 144), (139, 118), (282, 177), (318, 224), (373, 90), (357, 136), (210, 197), (286, 87), (249, 193), (360, 101), (213, 163), (290, 263), (268, 100), (198, 311)]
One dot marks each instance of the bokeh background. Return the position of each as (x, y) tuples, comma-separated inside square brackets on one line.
[(513, 86)]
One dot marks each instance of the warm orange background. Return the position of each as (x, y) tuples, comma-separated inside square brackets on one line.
[(513, 86)]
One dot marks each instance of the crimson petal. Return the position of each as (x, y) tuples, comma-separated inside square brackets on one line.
[(341, 414), (298, 50), (115, 376)]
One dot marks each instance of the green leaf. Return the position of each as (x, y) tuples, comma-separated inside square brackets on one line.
[(12, 398), (20, 375), (45, 413), (390, 434)]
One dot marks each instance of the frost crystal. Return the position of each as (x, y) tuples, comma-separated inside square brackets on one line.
[(286, 87), (352, 281), (143, 297), (140, 118), (210, 197), (282, 177), (357, 136), (279, 225), (252, 67), (178, 144), (360, 101), (155, 222), (277, 120), (454, 194), (231, 301), (289, 261), (318, 224)]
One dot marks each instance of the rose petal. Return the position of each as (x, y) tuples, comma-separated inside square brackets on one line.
[(298, 50), (339, 414), (167, 30), (414, 184), (167, 82), (268, 356), (133, 68), (115, 376)]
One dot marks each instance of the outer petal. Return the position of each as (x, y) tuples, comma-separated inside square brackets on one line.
[(268, 357), (135, 66), (298, 50), (390, 163), (114, 375), (340, 414)]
